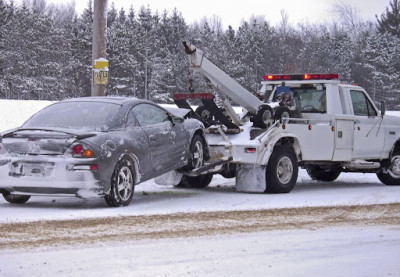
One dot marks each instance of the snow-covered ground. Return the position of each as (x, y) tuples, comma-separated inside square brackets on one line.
[(334, 251)]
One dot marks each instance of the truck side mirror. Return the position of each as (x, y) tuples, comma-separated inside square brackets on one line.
[(383, 108)]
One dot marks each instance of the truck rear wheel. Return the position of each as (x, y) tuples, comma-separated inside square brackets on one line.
[(195, 182), (282, 170), (392, 176), (323, 174), (16, 198)]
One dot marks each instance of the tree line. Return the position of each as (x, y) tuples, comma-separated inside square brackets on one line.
[(45, 51)]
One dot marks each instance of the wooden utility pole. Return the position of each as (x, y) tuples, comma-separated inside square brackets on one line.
[(99, 62)]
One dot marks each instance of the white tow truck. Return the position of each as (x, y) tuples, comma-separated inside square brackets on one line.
[(307, 120)]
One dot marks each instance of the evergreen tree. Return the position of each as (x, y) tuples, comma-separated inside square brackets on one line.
[(390, 20)]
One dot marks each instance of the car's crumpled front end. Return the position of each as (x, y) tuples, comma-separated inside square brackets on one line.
[(48, 162)]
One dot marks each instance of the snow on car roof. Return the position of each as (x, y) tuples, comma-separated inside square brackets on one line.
[(106, 99)]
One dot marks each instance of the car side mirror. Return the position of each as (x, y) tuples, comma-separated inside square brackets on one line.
[(170, 118), (383, 108)]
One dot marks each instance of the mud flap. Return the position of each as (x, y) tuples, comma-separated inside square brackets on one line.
[(250, 178), (171, 178)]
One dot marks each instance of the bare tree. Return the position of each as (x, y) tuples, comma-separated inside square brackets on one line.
[(348, 17)]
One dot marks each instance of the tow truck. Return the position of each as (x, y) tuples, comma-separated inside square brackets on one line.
[(311, 121)]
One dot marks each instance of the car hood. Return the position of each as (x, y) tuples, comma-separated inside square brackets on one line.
[(178, 112)]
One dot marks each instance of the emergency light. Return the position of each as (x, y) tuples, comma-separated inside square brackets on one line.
[(301, 77)]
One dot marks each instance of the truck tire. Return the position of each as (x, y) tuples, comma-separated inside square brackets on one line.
[(16, 198), (264, 117), (392, 177), (195, 182), (323, 174), (205, 114), (282, 170), (282, 113)]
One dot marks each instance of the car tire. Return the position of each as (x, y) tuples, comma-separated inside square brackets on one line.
[(196, 152), (264, 117), (16, 198), (282, 170), (122, 185), (195, 182), (325, 175), (392, 177)]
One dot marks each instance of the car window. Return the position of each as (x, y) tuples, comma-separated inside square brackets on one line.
[(147, 114), (75, 115), (361, 104)]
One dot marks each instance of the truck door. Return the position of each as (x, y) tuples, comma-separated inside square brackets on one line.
[(368, 131)]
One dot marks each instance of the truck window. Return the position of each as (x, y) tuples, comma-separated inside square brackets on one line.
[(306, 99), (310, 100), (361, 104)]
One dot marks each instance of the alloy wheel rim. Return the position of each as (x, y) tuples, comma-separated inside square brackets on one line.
[(125, 183), (198, 155)]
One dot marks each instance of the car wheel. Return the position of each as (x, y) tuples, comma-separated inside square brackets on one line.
[(122, 185), (392, 177), (197, 182), (16, 198), (282, 170), (196, 155), (323, 174)]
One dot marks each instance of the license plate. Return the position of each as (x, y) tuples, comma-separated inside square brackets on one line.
[(19, 169)]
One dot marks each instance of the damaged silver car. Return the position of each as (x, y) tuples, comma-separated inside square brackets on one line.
[(97, 147)]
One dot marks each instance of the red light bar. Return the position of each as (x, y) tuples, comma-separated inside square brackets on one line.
[(320, 76), (277, 77), (301, 77)]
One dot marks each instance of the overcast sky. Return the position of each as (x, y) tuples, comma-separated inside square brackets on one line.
[(233, 12)]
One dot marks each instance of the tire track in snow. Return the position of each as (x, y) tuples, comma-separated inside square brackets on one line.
[(125, 228)]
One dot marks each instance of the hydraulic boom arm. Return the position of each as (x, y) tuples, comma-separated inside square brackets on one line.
[(221, 80)]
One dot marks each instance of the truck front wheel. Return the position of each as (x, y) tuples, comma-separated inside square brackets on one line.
[(392, 176), (282, 170), (323, 174)]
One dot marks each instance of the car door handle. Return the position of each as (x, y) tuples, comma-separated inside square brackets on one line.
[(152, 138)]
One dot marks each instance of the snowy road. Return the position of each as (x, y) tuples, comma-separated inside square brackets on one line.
[(346, 228), (309, 241)]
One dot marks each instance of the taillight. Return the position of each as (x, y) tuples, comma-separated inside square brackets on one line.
[(250, 150), (78, 149), (81, 151)]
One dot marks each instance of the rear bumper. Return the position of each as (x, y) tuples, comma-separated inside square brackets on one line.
[(50, 176)]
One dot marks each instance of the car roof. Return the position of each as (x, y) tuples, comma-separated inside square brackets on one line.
[(106, 99)]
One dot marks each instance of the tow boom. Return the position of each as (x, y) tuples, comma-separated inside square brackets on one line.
[(221, 80)]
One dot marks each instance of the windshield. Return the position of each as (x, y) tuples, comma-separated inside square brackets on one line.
[(306, 99), (95, 116)]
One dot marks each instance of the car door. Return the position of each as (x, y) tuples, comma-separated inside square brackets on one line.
[(368, 130), (167, 139)]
